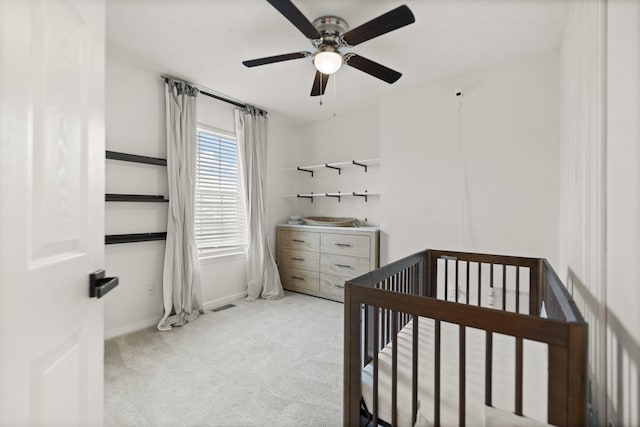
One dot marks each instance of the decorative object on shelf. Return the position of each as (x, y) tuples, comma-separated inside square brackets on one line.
[(339, 165), (295, 220), (330, 221)]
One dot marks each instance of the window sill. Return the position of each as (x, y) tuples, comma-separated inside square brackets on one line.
[(212, 259)]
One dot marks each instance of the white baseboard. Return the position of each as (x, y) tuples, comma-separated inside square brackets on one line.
[(224, 300), (143, 324)]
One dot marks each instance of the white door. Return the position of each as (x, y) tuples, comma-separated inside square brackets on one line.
[(51, 211)]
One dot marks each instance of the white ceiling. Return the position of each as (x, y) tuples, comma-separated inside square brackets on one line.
[(205, 41)]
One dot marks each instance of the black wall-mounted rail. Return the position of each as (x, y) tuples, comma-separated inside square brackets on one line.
[(125, 157), (134, 198), (131, 238)]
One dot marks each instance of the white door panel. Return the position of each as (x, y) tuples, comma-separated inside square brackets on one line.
[(51, 211)]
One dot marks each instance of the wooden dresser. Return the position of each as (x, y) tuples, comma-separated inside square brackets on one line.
[(318, 260)]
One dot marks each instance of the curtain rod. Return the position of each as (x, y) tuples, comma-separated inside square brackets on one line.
[(208, 93)]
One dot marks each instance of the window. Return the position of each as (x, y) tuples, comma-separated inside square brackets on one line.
[(219, 213)]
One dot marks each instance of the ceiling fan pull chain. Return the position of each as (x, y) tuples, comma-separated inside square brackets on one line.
[(334, 95)]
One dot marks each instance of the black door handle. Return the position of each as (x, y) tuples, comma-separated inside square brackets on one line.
[(100, 285)]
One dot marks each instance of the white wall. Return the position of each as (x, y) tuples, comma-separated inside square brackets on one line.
[(347, 137), (600, 207), (623, 211), (582, 205), (510, 137), (135, 124)]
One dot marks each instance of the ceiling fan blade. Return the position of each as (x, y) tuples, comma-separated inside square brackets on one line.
[(373, 68), (392, 20), (276, 58), (291, 12), (319, 84)]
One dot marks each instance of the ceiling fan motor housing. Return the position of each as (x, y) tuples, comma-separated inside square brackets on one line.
[(328, 34), (331, 27)]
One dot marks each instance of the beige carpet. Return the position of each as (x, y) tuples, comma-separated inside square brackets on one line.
[(275, 363)]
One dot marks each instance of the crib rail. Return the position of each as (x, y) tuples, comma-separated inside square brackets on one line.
[(469, 290)]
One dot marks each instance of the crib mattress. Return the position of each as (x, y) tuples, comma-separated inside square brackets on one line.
[(503, 396)]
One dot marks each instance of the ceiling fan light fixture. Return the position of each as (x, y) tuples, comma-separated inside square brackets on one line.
[(328, 61)]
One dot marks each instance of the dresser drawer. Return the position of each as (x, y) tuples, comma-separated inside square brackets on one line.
[(341, 265), (332, 286), (345, 244), (302, 240), (300, 280), (292, 258)]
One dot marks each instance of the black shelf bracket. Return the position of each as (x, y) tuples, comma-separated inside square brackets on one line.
[(334, 167), (125, 157), (365, 195), (134, 198), (306, 197), (338, 196), (306, 170), (132, 238), (359, 164)]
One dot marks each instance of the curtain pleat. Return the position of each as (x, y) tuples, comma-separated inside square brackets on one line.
[(181, 287), (263, 279)]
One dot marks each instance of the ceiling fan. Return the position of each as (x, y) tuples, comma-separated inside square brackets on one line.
[(330, 34)]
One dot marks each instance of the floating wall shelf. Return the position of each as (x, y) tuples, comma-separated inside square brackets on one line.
[(338, 195), (131, 238), (109, 197), (114, 155), (340, 165), (135, 198)]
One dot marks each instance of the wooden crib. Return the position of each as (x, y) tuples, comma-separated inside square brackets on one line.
[(515, 301)]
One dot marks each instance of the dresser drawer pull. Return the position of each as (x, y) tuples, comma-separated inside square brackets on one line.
[(343, 266), (298, 240), (297, 259), (346, 245), (297, 277), (339, 286)]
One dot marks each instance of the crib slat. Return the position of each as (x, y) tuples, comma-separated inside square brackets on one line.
[(414, 372), (491, 275), (468, 280), (376, 321), (394, 369), (479, 284), (436, 376), (462, 417), (517, 289), (488, 375), (457, 279), (446, 278), (504, 287), (518, 376)]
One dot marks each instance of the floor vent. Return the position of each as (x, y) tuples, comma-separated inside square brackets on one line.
[(224, 307)]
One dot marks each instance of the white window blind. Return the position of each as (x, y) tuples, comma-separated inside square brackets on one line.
[(219, 213)]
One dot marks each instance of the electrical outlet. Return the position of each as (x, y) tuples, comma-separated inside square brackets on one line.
[(150, 290)]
